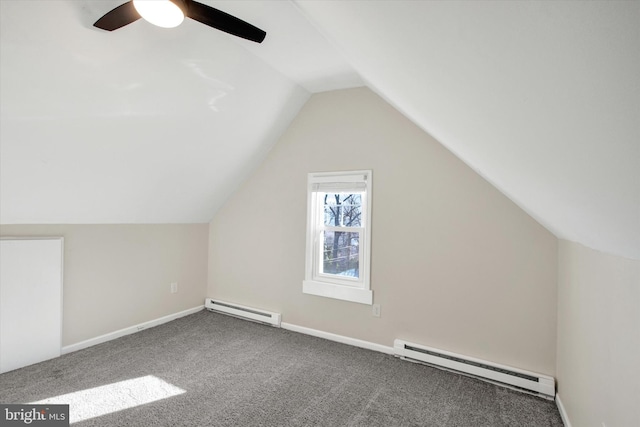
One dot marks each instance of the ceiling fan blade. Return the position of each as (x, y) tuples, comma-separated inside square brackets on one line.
[(122, 15), (223, 21)]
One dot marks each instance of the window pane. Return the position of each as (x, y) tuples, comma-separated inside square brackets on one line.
[(342, 209), (341, 253)]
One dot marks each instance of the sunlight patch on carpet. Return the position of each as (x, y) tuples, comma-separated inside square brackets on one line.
[(106, 399)]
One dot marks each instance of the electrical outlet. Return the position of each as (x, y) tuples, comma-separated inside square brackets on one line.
[(376, 310), (174, 287)]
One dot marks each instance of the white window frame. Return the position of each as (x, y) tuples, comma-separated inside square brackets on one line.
[(328, 285)]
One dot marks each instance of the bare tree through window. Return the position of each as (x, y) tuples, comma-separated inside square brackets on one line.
[(338, 246), (341, 248)]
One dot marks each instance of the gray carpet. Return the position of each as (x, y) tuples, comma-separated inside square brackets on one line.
[(238, 373)]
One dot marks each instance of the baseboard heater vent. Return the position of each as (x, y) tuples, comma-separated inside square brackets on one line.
[(493, 372), (243, 312)]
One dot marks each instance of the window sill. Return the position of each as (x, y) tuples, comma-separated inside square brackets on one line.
[(330, 290)]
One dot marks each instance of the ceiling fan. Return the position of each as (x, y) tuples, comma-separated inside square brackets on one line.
[(170, 13)]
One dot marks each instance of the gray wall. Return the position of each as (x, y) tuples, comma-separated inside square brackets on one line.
[(455, 264), (598, 337), (116, 276)]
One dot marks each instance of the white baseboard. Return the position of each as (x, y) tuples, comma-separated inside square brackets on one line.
[(338, 338), (130, 330), (563, 412)]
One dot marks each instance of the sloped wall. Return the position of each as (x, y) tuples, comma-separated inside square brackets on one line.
[(455, 264)]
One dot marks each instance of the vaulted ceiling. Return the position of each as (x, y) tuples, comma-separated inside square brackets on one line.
[(148, 125)]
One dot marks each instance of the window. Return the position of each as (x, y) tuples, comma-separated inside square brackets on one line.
[(339, 236)]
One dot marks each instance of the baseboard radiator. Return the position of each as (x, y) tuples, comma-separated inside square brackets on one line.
[(243, 312), (493, 372)]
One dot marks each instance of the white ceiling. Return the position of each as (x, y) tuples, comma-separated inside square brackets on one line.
[(145, 125)]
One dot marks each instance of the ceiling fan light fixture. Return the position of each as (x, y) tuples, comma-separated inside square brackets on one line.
[(163, 13)]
